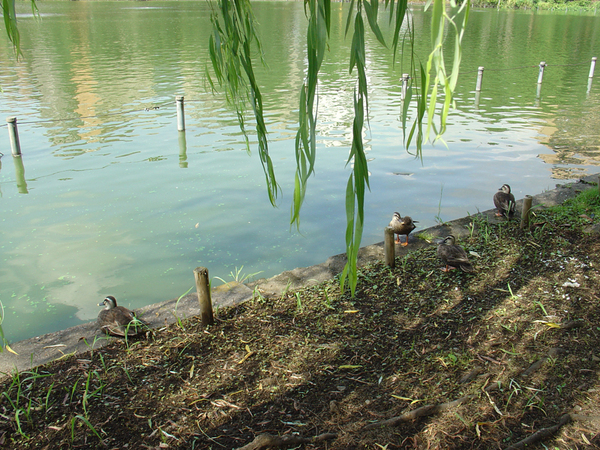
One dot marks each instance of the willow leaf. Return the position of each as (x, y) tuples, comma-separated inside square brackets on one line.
[(349, 17), (400, 14), (371, 10)]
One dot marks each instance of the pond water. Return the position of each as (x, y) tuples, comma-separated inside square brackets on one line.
[(111, 199)]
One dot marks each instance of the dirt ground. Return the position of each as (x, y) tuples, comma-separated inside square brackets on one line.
[(505, 357)]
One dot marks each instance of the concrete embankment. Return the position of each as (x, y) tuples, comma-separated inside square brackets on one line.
[(39, 350)]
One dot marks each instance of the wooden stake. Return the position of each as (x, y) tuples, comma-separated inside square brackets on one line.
[(389, 247), (202, 287), (525, 213)]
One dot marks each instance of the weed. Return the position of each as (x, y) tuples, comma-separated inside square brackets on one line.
[(298, 302), (438, 217), (257, 296), (84, 420), (86, 392), (101, 356), (177, 304), (16, 395), (405, 262), (471, 228), (538, 303), (73, 388), (486, 232), (427, 237), (238, 275), (512, 330), (127, 373), (327, 298), (3, 342), (46, 404), (286, 289)]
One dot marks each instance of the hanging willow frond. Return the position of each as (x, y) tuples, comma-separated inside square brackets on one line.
[(10, 23), (230, 53), (318, 13), (458, 18), (230, 49)]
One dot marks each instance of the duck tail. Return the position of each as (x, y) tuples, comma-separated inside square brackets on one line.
[(468, 268)]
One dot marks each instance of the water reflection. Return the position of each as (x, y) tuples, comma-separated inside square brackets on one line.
[(182, 150), (20, 175)]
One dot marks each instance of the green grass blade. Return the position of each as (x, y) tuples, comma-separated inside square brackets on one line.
[(85, 421)]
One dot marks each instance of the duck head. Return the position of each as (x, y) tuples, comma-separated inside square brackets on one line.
[(109, 302)]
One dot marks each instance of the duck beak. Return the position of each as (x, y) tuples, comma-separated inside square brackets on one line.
[(101, 304)]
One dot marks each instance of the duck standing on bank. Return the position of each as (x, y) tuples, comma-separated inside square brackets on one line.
[(118, 320), (401, 225), (453, 255), (504, 202)]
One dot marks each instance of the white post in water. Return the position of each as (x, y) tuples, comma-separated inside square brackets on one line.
[(13, 133), (405, 78), (592, 67), (180, 115), (479, 79), (541, 74)]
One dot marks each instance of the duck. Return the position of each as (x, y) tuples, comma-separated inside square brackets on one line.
[(453, 255), (118, 320), (504, 202), (401, 225)]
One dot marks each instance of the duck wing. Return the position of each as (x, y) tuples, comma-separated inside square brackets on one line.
[(120, 321), (505, 203), (405, 226), (455, 256)]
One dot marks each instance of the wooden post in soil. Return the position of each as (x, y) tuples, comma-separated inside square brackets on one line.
[(525, 213), (389, 247), (203, 289)]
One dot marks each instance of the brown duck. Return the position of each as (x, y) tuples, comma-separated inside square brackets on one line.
[(118, 320), (453, 255), (504, 202), (401, 225)]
